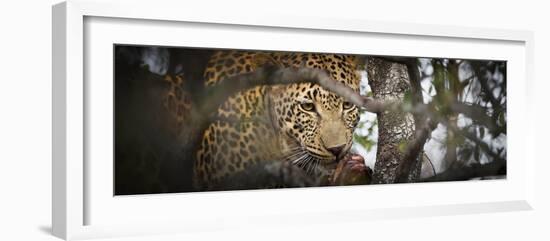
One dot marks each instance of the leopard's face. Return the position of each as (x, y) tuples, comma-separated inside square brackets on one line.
[(317, 125)]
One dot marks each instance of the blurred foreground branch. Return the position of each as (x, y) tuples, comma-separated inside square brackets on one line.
[(494, 168), (270, 75)]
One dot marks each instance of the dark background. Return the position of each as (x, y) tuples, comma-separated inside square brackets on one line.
[(148, 158)]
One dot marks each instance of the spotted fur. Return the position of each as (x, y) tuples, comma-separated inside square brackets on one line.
[(303, 124), (177, 101)]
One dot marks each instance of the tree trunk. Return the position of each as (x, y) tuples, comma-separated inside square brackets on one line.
[(390, 81)]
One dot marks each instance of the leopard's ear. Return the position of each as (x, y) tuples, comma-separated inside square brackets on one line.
[(265, 59)]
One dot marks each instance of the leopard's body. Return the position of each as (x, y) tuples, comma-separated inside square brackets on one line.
[(177, 101), (303, 123)]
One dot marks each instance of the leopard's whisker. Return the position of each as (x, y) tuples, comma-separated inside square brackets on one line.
[(310, 164), (293, 151), (314, 162), (317, 166), (314, 165), (293, 156), (305, 162), (299, 160)]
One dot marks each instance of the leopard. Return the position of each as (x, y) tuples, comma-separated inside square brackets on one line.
[(301, 124), (177, 101)]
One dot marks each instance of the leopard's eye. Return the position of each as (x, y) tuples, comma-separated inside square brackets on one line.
[(308, 106), (347, 105)]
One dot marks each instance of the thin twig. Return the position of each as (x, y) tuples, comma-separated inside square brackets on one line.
[(431, 163)]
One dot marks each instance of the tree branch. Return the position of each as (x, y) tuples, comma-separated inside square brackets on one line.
[(478, 114), (270, 75), (464, 173), (413, 150), (486, 148), (485, 87)]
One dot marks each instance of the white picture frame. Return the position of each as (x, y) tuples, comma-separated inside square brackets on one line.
[(77, 195)]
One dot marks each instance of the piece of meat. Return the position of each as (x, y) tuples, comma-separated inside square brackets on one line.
[(351, 170)]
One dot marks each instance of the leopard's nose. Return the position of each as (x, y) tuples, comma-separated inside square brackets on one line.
[(336, 150)]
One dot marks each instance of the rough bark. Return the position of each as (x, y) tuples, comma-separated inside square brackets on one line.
[(390, 82)]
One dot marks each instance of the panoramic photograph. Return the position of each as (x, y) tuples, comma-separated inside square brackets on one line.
[(199, 119)]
